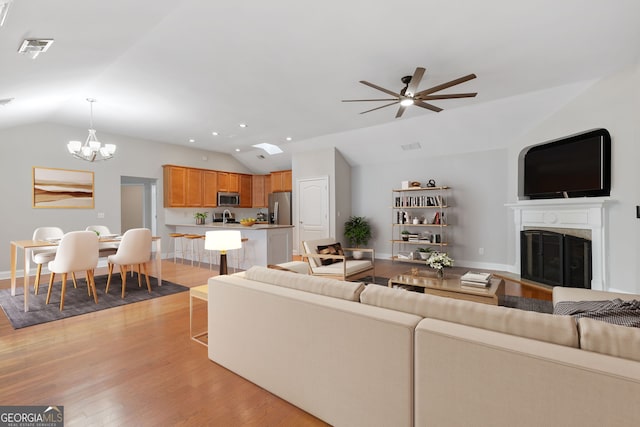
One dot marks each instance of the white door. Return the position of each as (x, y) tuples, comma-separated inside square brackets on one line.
[(313, 209)]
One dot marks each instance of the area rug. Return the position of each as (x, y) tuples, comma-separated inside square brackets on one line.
[(521, 303), (77, 301)]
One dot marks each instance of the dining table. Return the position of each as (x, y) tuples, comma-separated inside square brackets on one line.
[(28, 245)]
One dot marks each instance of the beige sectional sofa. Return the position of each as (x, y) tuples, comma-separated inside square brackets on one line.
[(375, 356)]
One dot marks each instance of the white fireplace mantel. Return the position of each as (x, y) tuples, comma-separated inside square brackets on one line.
[(580, 213)]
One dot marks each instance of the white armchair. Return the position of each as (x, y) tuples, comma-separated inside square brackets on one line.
[(327, 258), (42, 256), (134, 249), (78, 251)]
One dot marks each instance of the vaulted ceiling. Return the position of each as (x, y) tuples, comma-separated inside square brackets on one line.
[(172, 71)]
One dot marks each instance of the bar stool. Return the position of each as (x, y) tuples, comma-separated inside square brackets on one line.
[(237, 254), (173, 239), (193, 238), (209, 253)]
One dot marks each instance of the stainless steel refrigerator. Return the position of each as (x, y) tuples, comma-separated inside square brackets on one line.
[(280, 208)]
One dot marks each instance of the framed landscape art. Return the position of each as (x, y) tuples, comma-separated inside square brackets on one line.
[(62, 188)]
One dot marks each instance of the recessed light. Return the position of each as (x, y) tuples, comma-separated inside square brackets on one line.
[(243, 125), (192, 140), (214, 133), (237, 149), (288, 138)]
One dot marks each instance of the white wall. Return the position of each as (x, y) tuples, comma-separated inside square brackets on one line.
[(612, 103), (320, 163), (44, 145), (478, 192)]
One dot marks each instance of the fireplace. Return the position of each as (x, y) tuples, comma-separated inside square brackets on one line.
[(586, 214), (555, 258)]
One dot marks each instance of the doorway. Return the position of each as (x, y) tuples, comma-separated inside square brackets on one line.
[(313, 209), (138, 203)]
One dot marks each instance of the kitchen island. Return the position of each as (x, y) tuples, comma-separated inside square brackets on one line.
[(266, 244)]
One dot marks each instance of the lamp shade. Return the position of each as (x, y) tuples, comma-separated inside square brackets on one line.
[(222, 240)]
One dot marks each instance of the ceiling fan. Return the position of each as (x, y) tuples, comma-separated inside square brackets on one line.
[(409, 96)]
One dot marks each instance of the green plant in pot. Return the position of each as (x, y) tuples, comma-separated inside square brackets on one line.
[(358, 232), (200, 217), (424, 252), (405, 235)]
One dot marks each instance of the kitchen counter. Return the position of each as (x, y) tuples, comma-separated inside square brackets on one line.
[(266, 243), (217, 225)]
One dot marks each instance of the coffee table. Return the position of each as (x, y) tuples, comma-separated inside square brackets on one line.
[(450, 286)]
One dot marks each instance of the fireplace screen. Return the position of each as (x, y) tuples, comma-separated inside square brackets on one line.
[(555, 259)]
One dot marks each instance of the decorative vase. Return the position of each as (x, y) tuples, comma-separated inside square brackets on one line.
[(440, 273), (199, 221)]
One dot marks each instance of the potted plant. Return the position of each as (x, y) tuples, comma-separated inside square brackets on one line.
[(200, 217), (358, 232), (405, 235), (424, 253)]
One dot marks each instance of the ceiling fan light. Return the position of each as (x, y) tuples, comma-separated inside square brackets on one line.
[(406, 102)]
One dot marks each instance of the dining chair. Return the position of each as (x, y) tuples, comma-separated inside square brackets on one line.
[(134, 250), (105, 249), (77, 251), (42, 256)]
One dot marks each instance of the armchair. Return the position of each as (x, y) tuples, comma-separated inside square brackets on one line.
[(327, 258)]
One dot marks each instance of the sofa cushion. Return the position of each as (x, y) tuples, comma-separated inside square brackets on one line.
[(311, 247), (606, 338), (332, 249), (539, 326), (317, 285), (353, 266)]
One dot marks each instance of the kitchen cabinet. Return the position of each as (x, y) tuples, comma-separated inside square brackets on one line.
[(245, 191), (175, 184), (281, 181), (260, 192), (193, 191), (210, 189), (228, 182)]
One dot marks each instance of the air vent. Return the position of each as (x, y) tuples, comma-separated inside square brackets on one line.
[(260, 156), (34, 47), (413, 146), (5, 101)]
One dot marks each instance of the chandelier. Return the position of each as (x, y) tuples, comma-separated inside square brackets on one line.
[(92, 150)]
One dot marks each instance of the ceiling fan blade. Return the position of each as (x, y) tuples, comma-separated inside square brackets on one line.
[(377, 108), (415, 81), (381, 89), (446, 85), (400, 111), (427, 106), (365, 100), (448, 96)]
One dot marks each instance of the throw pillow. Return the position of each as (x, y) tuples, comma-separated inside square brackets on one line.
[(332, 249)]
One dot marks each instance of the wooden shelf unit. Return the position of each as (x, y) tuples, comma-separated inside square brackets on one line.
[(429, 204)]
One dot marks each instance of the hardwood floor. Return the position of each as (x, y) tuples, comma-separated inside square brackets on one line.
[(136, 365)]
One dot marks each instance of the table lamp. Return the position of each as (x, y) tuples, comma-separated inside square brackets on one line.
[(223, 240)]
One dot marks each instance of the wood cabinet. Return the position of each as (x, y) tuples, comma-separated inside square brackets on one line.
[(175, 185), (261, 190), (281, 181), (194, 188), (245, 191), (210, 189), (228, 182)]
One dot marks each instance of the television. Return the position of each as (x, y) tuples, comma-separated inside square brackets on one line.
[(575, 166)]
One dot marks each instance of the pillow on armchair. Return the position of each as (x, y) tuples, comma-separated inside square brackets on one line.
[(332, 249)]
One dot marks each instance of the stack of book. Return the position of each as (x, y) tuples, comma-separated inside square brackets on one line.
[(480, 280)]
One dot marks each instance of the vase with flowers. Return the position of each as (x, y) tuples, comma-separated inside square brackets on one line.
[(438, 261)]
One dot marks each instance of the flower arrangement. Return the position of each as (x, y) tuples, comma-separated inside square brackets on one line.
[(438, 261)]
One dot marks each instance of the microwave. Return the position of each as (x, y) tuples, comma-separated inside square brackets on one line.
[(228, 199)]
